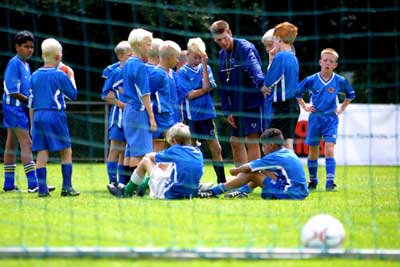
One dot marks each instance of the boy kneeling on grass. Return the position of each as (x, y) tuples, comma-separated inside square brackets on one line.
[(174, 172), (279, 172)]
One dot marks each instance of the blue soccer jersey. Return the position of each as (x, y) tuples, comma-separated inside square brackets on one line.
[(162, 87), (50, 127), (283, 76), (49, 88), (136, 82), (324, 94), (17, 79), (241, 77), (187, 170), (109, 69), (202, 107), (114, 83), (289, 171)]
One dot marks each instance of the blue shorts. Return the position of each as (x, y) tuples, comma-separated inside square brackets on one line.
[(116, 133), (137, 131), (281, 189), (249, 122), (322, 125), (50, 131), (164, 121), (203, 129), (15, 117)]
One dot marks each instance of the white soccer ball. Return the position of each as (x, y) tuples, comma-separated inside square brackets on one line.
[(323, 231)]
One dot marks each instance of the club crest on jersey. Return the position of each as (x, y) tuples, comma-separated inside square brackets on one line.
[(331, 90), (253, 125)]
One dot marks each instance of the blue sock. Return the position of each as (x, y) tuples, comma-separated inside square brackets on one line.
[(330, 165), (42, 176), (245, 189), (219, 189), (30, 172), (112, 171), (313, 169), (66, 170), (121, 174), (9, 175)]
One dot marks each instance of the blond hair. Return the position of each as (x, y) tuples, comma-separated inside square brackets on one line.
[(137, 37), (155, 46), (168, 48), (180, 132), (50, 49), (196, 45), (286, 31), (330, 51), (122, 48), (268, 36)]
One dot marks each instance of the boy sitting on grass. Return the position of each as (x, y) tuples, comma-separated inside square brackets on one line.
[(174, 172), (279, 173)]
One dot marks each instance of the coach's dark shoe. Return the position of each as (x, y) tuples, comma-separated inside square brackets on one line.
[(312, 184), (115, 190), (69, 193), (236, 194), (330, 186)]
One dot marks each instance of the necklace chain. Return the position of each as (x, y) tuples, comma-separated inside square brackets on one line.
[(228, 67)]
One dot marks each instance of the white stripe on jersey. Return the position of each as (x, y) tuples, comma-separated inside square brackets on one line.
[(58, 92), (140, 96), (275, 85)]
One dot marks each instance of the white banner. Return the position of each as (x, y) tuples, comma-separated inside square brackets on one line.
[(367, 135)]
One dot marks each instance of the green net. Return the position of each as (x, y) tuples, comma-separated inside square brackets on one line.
[(366, 36)]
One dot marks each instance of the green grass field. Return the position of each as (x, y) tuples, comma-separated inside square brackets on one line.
[(367, 203)]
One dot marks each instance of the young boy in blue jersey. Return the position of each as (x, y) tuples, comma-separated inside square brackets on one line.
[(323, 121), (17, 79), (112, 89), (196, 80), (281, 82), (174, 172), (138, 117), (50, 132), (279, 172), (164, 92), (241, 79)]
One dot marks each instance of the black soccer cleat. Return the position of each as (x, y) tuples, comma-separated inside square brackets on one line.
[(330, 186), (115, 190), (36, 189), (69, 193), (312, 185), (141, 191), (12, 189)]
